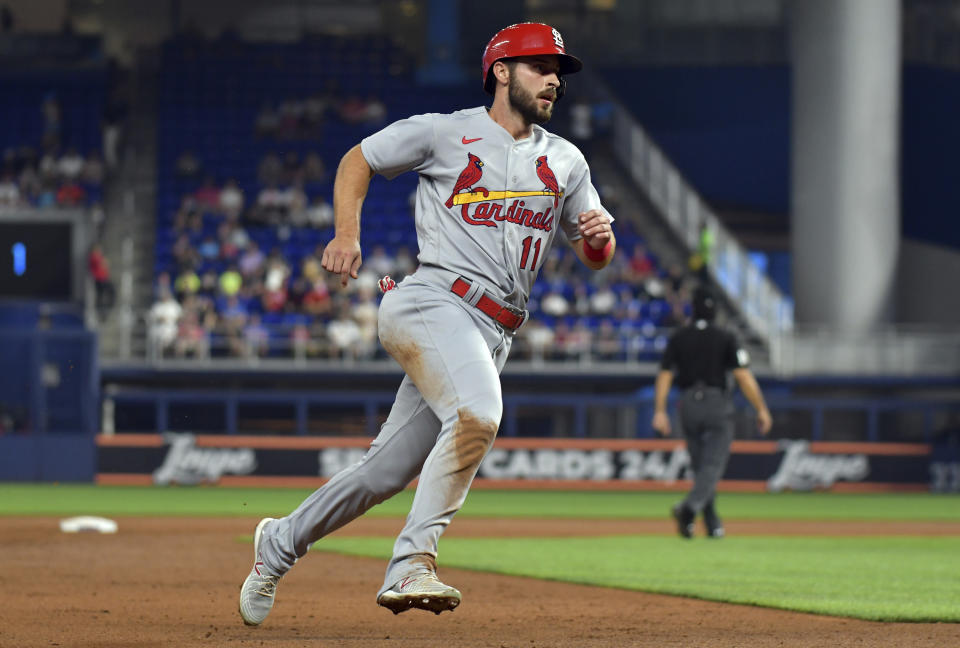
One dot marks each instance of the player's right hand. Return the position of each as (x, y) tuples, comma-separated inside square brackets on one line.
[(342, 256)]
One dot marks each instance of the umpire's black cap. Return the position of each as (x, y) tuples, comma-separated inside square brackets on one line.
[(704, 304)]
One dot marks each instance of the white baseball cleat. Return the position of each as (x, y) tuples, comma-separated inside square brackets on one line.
[(258, 590), (423, 591)]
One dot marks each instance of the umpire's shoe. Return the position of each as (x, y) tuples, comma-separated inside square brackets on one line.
[(712, 521), (423, 591), (684, 517), (257, 592)]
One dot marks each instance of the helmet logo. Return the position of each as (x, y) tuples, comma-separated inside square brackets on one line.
[(557, 38)]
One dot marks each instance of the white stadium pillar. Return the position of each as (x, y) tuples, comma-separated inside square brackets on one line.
[(845, 215)]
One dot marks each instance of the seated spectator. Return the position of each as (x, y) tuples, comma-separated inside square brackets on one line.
[(343, 332), (641, 266), (577, 341), (93, 169), (47, 167), (379, 262), (71, 194), (296, 205), (184, 253), (256, 338), (300, 340), (235, 235), (404, 263), (628, 306), (209, 283), (291, 171), (275, 283), (192, 338), (231, 281), (29, 182), (314, 170), (376, 111), (290, 112), (234, 318), (555, 304), (188, 166), (187, 282), (234, 312), (606, 344), (314, 114), (270, 169), (364, 313), (162, 285), (209, 249), (9, 191), (231, 198), (603, 301), (268, 121), (539, 338), (353, 110), (310, 268), (272, 205), (188, 216), (320, 213), (70, 166), (317, 300), (581, 298), (207, 195), (163, 322)]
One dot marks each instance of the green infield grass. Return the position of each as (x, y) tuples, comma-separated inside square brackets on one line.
[(86, 499), (874, 578)]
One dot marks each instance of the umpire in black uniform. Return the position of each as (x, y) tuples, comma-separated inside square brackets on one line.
[(699, 358)]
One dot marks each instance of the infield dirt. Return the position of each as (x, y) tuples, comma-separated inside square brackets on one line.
[(175, 581)]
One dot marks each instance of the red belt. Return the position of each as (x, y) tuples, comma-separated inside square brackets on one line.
[(510, 316)]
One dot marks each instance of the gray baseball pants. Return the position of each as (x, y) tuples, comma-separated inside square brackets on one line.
[(442, 423), (706, 419)]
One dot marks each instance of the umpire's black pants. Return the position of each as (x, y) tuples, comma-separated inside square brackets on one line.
[(706, 419)]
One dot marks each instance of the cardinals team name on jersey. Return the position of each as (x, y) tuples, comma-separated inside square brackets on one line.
[(490, 210), (488, 214)]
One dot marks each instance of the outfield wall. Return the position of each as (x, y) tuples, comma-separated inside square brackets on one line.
[(562, 464)]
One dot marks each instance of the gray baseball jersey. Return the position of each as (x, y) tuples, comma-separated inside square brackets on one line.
[(488, 208)]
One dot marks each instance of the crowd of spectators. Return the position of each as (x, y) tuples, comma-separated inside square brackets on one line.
[(226, 294), (50, 173), (305, 118), (53, 178), (241, 274)]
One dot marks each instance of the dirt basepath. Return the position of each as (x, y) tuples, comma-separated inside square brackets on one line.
[(174, 582)]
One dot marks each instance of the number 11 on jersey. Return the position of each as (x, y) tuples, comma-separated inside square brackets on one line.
[(526, 243)]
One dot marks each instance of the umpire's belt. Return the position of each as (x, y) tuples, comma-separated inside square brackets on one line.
[(509, 316)]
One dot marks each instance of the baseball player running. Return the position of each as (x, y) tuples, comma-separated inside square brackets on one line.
[(495, 188)]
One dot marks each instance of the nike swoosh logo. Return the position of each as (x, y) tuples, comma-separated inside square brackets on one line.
[(464, 140)]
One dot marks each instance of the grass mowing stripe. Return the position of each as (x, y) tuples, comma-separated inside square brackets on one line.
[(874, 578), (73, 499)]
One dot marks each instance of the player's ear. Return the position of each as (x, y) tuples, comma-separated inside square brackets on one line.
[(501, 71)]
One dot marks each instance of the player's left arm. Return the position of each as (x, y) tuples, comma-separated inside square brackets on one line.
[(587, 225), (597, 244)]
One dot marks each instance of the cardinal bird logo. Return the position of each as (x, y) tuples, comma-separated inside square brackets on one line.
[(549, 180), (469, 177)]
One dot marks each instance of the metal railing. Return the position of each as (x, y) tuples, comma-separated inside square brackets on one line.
[(893, 351), (767, 310)]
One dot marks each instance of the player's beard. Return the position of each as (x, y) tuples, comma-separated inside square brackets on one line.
[(527, 105)]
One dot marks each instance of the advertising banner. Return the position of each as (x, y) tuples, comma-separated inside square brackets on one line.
[(563, 464)]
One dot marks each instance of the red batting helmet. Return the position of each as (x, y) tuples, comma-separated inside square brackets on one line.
[(526, 39)]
